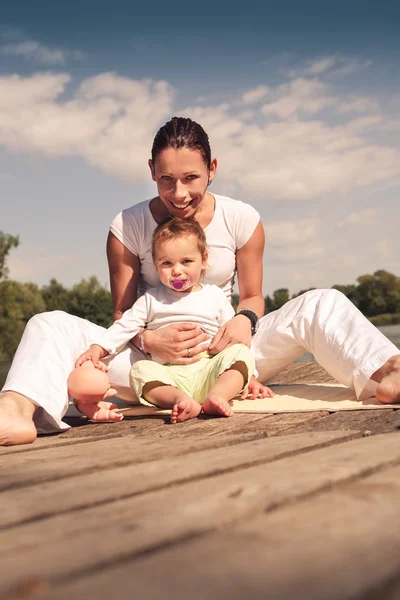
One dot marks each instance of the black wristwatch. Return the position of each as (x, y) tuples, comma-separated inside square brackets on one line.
[(253, 319)]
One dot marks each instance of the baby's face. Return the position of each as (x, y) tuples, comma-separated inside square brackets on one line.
[(179, 263)]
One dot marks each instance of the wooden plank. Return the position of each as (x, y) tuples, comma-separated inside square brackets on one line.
[(56, 497), (204, 426), (87, 540), (342, 544), (375, 421), (52, 441), (159, 426), (123, 428), (281, 424), (30, 468)]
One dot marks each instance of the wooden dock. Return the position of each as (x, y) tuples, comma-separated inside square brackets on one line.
[(299, 505)]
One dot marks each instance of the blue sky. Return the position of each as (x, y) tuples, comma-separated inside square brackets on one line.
[(300, 100)]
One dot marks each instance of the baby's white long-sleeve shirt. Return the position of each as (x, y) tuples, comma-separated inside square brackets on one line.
[(160, 306)]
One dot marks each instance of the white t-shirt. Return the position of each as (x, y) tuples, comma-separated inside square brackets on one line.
[(160, 306), (232, 226)]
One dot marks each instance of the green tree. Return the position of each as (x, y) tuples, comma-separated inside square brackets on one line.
[(90, 300), (18, 303), (302, 292), (56, 296), (378, 293), (279, 298), (351, 291), (235, 301), (7, 242)]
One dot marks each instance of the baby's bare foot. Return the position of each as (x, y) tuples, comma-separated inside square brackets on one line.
[(185, 409), (217, 406), (102, 412)]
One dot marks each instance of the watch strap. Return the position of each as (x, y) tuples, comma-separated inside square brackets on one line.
[(252, 317)]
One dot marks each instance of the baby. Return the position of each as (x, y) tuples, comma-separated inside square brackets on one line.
[(180, 256)]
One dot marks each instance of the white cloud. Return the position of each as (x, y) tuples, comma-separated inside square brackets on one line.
[(384, 250), (348, 66), (39, 53), (305, 253), (28, 263), (106, 121), (280, 233), (255, 95), (282, 153), (331, 67), (299, 96), (320, 66), (360, 105), (367, 216)]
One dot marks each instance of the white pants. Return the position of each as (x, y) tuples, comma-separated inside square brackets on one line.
[(323, 322)]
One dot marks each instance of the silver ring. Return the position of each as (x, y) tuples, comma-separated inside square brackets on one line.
[(189, 353)]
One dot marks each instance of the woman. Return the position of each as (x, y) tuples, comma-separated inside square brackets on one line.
[(323, 322)]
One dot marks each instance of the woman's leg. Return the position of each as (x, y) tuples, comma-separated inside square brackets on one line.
[(36, 385), (341, 339), (388, 378), (16, 420)]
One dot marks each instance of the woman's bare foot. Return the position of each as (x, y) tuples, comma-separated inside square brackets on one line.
[(102, 412), (388, 377), (184, 409), (16, 419), (217, 406)]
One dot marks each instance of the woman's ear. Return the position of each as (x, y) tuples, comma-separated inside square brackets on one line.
[(213, 170), (152, 169)]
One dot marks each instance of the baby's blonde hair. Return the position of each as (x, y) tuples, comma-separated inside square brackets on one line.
[(175, 227)]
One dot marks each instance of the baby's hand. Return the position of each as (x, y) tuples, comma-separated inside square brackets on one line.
[(94, 353), (255, 389)]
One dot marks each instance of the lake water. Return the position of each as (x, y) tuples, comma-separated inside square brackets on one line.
[(391, 331)]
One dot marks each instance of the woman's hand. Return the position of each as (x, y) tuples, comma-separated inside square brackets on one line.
[(255, 389), (235, 331), (177, 344), (94, 353)]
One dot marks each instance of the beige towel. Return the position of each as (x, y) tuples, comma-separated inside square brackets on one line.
[(290, 398)]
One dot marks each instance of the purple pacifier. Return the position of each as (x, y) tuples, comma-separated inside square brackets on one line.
[(179, 284)]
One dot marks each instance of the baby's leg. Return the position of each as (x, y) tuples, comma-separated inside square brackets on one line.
[(228, 384), (228, 373), (167, 396)]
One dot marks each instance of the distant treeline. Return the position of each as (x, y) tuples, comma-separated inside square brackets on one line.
[(377, 296), (20, 301)]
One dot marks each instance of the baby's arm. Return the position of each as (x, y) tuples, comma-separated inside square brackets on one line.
[(113, 339)]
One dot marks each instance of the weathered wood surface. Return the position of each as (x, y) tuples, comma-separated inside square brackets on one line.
[(109, 484), (292, 505), (337, 544)]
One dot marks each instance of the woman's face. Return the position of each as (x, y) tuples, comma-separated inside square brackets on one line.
[(182, 178)]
